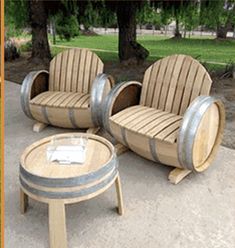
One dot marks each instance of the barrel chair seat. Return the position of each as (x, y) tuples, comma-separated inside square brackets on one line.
[(169, 118), (70, 95)]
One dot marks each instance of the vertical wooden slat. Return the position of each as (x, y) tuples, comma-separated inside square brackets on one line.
[(206, 85), (189, 86), (181, 85), (58, 62), (52, 74), (81, 71), (76, 70), (197, 84), (166, 82), (145, 85), (87, 72), (152, 84), (160, 81), (93, 74), (173, 83), (69, 70), (63, 71), (100, 67)]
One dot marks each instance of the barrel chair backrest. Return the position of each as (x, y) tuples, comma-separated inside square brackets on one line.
[(74, 70), (172, 83)]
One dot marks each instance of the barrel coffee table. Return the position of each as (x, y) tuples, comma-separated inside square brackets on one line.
[(57, 185)]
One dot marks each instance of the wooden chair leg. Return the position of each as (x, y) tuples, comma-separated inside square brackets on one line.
[(23, 202), (93, 130), (119, 195), (120, 148), (177, 175), (57, 224), (39, 126)]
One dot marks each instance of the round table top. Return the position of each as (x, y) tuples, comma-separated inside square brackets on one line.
[(99, 152)]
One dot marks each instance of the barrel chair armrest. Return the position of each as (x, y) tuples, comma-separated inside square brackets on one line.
[(101, 86), (33, 84), (204, 115), (122, 96)]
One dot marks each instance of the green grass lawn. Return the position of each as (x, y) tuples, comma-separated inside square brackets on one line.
[(204, 49)]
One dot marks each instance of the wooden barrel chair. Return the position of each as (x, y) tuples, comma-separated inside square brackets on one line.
[(70, 94), (169, 118)]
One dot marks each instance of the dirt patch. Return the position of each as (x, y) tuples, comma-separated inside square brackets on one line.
[(15, 71)]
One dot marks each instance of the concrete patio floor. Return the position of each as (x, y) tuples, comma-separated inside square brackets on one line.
[(197, 213)]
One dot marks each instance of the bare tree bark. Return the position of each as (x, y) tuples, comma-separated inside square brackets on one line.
[(38, 19), (129, 49)]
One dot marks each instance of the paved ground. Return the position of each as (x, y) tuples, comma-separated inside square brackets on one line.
[(197, 213)]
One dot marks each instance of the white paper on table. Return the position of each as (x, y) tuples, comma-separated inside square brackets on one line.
[(66, 154)]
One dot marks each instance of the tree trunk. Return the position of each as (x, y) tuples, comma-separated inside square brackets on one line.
[(177, 29), (38, 18), (221, 32), (129, 50)]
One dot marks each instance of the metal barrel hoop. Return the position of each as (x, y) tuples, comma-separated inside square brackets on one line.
[(97, 96), (25, 93), (189, 127)]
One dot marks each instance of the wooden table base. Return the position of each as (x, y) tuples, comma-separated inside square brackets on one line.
[(57, 216)]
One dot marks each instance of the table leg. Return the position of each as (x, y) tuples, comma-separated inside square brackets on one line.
[(23, 202), (57, 224), (119, 195)]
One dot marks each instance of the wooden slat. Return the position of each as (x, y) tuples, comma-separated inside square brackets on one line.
[(82, 100), (100, 67), (66, 102), (52, 74), (63, 71), (86, 102), (81, 71), (151, 117), (140, 118), (189, 86), (162, 117), (150, 87), (164, 124), (87, 72), (71, 55), (173, 83), (172, 138), (63, 97), (93, 74), (126, 112), (160, 81), (73, 102), (145, 85), (197, 84), (58, 63), (76, 67), (206, 85), (133, 115), (52, 96), (167, 79), (168, 131), (40, 97), (181, 85)]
